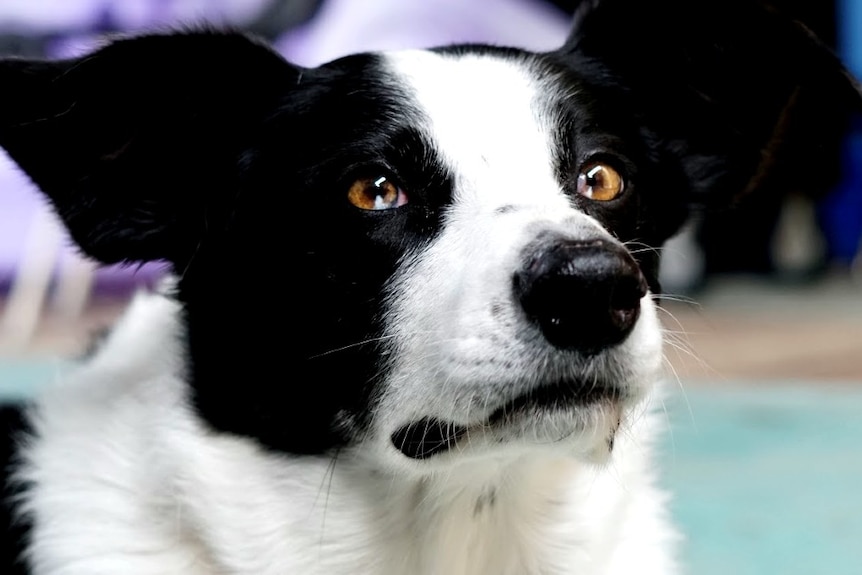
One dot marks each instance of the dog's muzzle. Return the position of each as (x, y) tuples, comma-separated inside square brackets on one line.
[(582, 295)]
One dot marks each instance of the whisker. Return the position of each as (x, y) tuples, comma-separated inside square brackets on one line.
[(636, 246), (351, 346), (328, 476), (682, 390), (678, 298)]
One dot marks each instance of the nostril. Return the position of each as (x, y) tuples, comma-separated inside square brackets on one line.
[(582, 295), (624, 303), (627, 288)]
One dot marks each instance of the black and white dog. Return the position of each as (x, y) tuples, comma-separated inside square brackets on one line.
[(412, 328)]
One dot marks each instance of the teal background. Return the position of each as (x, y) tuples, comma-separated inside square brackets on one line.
[(767, 478)]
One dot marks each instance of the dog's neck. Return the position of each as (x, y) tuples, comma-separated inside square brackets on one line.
[(483, 518), (531, 515), (486, 517)]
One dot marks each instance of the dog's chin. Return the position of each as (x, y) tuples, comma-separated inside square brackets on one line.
[(572, 419)]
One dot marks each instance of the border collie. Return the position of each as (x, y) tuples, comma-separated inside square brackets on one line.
[(412, 325)]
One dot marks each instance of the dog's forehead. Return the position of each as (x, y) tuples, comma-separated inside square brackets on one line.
[(490, 116)]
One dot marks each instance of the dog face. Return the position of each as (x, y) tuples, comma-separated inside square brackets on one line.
[(430, 252), (523, 318), (441, 270)]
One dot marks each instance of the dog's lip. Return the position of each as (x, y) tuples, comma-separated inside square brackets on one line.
[(559, 395), (429, 436)]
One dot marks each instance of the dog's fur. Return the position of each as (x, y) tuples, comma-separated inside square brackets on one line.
[(457, 381)]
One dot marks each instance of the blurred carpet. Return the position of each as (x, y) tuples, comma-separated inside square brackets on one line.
[(766, 478)]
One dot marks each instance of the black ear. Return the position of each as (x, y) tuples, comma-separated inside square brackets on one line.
[(138, 145), (743, 97)]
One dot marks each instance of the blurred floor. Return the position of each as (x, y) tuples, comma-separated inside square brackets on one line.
[(764, 477), (752, 328), (58, 336)]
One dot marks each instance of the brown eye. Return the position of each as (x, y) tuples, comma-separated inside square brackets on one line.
[(376, 194), (600, 182)]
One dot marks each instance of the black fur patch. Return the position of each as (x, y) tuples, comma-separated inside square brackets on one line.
[(14, 529)]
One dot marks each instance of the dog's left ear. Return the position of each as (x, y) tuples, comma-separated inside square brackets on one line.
[(138, 145), (740, 95)]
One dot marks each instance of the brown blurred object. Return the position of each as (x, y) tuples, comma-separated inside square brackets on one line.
[(748, 327)]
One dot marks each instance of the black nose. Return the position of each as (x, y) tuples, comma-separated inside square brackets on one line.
[(583, 295)]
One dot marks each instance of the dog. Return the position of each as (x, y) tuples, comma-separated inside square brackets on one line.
[(411, 322)]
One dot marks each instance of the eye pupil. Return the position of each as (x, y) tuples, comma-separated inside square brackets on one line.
[(594, 175)]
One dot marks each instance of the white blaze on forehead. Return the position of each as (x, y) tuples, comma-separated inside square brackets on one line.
[(486, 117)]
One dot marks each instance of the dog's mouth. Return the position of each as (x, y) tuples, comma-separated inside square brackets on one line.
[(431, 436), (427, 437)]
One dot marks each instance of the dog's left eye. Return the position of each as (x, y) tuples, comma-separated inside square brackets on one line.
[(600, 182), (378, 193)]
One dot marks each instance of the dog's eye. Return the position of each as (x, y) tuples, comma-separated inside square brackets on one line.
[(376, 194), (600, 182)]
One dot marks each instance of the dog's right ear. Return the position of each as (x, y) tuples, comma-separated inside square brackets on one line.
[(138, 144), (745, 98)]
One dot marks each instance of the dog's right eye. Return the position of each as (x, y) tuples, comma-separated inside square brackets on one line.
[(376, 194)]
